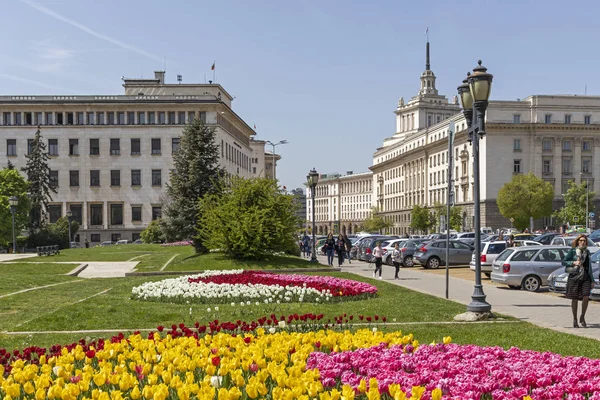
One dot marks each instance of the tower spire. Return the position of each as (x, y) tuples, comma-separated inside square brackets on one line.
[(427, 65)]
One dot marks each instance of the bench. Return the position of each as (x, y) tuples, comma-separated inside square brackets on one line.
[(47, 250)]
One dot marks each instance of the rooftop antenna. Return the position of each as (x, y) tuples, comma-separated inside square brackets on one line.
[(179, 78)]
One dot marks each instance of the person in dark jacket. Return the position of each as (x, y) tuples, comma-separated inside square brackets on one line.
[(330, 248), (340, 248), (579, 288), (348, 244)]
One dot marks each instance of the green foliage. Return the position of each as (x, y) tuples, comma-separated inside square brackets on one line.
[(38, 175), (575, 204), (153, 233), (525, 196), (196, 173), (376, 222), (52, 234), (421, 219), (12, 184), (251, 220), (439, 209)]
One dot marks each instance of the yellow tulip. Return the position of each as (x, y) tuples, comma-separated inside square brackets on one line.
[(417, 392), (436, 394), (447, 340), (40, 394), (347, 392), (362, 386), (373, 393), (135, 393)]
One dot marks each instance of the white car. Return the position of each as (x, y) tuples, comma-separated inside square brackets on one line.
[(123, 241), (489, 252), (568, 241)]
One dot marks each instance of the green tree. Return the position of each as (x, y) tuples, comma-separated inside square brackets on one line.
[(52, 234), (153, 232), (525, 196), (251, 220), (12, 183), (455, 215), (196, 173), (38, 175), (575, 204), (376, 222), (421, 219)]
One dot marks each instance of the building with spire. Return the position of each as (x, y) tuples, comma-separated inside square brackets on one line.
[(556, 137)]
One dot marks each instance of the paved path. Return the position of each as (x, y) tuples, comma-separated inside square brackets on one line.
[(547, 311), (13, 257), (107, 269)]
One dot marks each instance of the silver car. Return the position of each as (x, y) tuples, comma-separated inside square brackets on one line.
[(433, 254), (557, 281), (527, 267)]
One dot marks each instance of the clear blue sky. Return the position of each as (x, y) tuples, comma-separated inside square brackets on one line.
[(324, 75)]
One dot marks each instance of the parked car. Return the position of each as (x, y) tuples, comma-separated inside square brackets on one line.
[(123, 241), (546, 238), (525, 236), (527, 267), (75, 245), (138, 241), (557, 280), (433, 254), (595, 237), (388, 249), (107, 243), (366, 246), (568, 241), (521, 243), (489, 252), (408, 249)]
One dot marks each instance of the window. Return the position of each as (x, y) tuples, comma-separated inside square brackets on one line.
[(135, 236), (111, 118), (547, 145), (586, 165), (115, 237), (18, 120), (525, 255), (175, 144), (38, 118), (70, 119), (161, 118), (121, 118), (566, 166), (141, 118), (73, 147), (11, 147), (547, 166), (135, 147), (191, 116), (49, 119), (116, 214), (53, 147), (567, 118), (585, 145), (516, 166), (94, 147), (90, 118), (548, 118), (429, 120), (587, 119), (565, 185), (95, 237), (156, 212), (517, 144), (566, 145), (54, 179), (115, 177), (28, 118), (517, 119), (156, 177), (74, 178), (152, 117), (172, 117), (101, 118), (7, 120), (59, 118), (77, 216), (155, 146), (203, 116), (29, 146), (115, 147), (80, 119), (136, 213), (136, 177), (182, 117), (131, 118), (95, 177), (54, 212), (96, 215)]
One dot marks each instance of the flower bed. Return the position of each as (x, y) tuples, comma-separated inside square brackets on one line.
[(175, 244), (238, 285)]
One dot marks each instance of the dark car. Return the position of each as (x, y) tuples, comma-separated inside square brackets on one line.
[(546, 238)]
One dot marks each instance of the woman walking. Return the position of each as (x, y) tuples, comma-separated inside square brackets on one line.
[(396, 255), (340, 247), (581, 279), (348, 248), (378, 255), (330, 248)]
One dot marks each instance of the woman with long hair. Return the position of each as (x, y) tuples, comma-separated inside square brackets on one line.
[(330, 248), (581, 279)]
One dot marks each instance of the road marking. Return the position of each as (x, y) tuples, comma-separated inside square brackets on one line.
[(39, 287), (168, 262)]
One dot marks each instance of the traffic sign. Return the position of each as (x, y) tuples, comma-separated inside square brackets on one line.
[(512, 220), (592, 215), (575, 219)]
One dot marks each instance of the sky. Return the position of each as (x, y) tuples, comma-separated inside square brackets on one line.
[(325, 75)]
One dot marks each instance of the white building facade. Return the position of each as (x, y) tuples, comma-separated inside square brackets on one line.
[(111, 156)]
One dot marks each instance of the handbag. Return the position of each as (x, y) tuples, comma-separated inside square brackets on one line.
[(576, 273)]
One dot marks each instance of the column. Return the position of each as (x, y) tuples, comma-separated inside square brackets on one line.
[(84, 215), (596, 165), (537, 157), (557, 167), (106, 215), (576, 163)]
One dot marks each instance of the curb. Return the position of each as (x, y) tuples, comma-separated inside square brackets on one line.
[(276, 271), (78, 270)]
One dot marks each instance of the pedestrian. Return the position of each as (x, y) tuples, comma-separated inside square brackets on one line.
[(378, 255), (501, 236), (581, 279), (329, 248), (340, 247), (306, 245), (87, 244), (348, 246), (511, 241), (396, 255)]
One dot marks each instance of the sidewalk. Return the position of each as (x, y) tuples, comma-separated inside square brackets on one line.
[(537, 308)]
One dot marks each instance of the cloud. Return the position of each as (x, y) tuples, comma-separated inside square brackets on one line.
[(90, 31), (50, 57), (31, 82)]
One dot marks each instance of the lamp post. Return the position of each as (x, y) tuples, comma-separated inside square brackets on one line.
[(474, 94), (312, 179), (275, 144), (13, 201), (587, 202), (69, 215)]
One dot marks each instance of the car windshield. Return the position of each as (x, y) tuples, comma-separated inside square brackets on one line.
[(505, 254), (523, 255)]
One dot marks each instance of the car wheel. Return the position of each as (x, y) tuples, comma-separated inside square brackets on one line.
[(488, 274), (408, 261), (388, 260), (433, 263), (515, 287), (531, 283)]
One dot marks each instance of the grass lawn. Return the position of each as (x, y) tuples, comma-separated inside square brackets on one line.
[(105, 304)]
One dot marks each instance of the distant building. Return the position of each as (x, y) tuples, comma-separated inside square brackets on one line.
[(300, 201)]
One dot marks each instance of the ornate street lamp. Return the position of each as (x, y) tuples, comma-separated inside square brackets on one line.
[(312, 179), (69, 215), (474, 94), (13, 201)]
